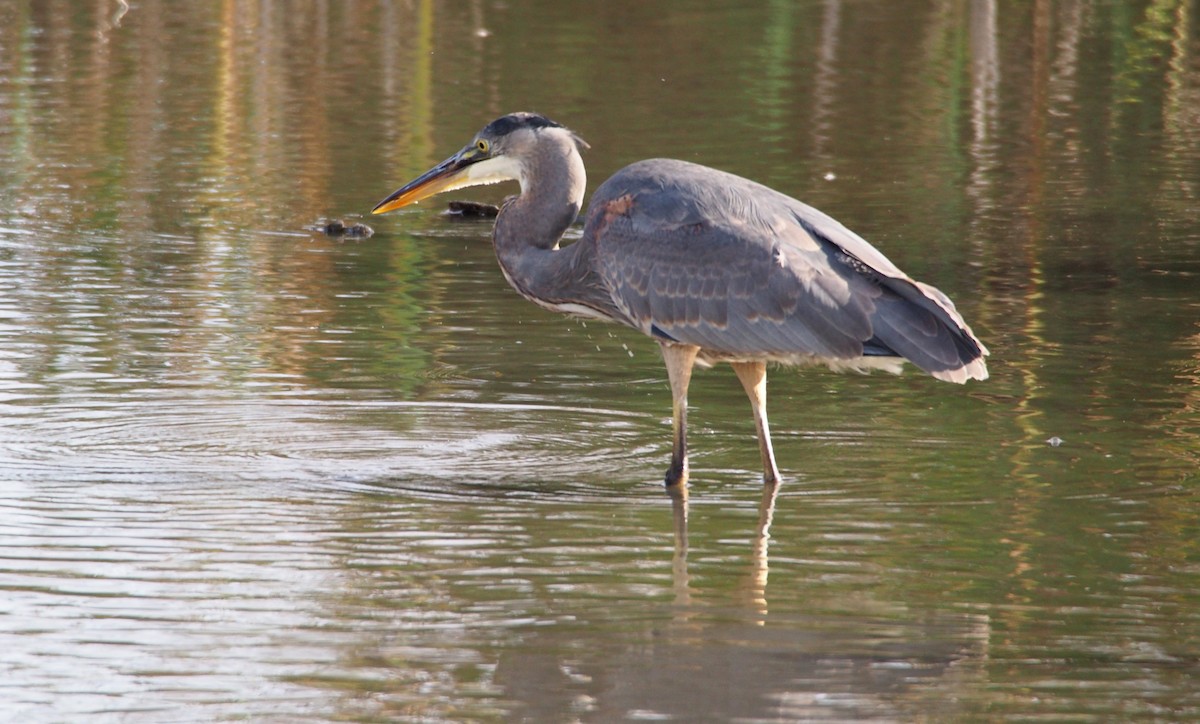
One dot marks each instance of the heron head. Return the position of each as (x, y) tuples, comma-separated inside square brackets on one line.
[(497, 153)]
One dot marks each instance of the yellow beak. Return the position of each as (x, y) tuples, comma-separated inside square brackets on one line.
[(447, 175)]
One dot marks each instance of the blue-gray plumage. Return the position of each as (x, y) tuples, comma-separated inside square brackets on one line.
[(713, 266)]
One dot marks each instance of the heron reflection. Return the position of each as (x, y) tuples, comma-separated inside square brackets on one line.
[(714, 267), (756, 583)]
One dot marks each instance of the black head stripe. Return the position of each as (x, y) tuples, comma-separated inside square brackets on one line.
[(507, 124)]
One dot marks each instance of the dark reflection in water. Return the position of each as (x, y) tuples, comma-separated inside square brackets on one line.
[(251, 471)]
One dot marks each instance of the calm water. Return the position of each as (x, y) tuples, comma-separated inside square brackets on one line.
[(251, 472)]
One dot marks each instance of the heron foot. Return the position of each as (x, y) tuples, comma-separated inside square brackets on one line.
[(677, 475)]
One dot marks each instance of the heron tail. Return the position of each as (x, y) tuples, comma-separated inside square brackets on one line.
[(918, 322)]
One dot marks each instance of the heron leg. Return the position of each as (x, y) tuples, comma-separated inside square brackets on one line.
[(753, 376), (679, 359)]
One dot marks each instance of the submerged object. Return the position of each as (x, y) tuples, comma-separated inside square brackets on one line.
[(472, 210), (339, 228)]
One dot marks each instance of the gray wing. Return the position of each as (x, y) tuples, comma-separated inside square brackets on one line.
[(702, 257)]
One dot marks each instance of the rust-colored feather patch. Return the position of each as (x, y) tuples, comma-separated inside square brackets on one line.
[(612, 210)]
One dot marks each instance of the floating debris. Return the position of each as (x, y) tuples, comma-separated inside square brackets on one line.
[(339, 228), (471, 210)]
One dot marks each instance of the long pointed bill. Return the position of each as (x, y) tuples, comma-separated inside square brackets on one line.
[(447, 175)]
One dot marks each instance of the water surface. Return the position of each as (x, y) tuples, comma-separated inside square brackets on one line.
[(251, 471)]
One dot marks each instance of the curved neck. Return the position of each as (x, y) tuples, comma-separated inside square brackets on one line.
[(530, 226)]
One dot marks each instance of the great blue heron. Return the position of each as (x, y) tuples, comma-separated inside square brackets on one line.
[(714, 267)]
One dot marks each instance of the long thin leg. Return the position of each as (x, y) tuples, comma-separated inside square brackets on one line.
[(679, 359), (753, 376)]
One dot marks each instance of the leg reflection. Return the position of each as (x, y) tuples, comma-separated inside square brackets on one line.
[(679, 569), (762, 540), (755, 588)]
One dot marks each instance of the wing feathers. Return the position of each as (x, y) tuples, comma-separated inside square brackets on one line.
[(714, 260)]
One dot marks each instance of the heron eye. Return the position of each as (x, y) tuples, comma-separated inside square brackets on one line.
[(483, 145)]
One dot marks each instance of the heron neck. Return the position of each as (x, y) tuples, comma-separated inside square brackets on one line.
[(529, 227)]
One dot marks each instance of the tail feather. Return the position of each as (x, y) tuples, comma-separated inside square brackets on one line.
[(916, 321), (912, 320)]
